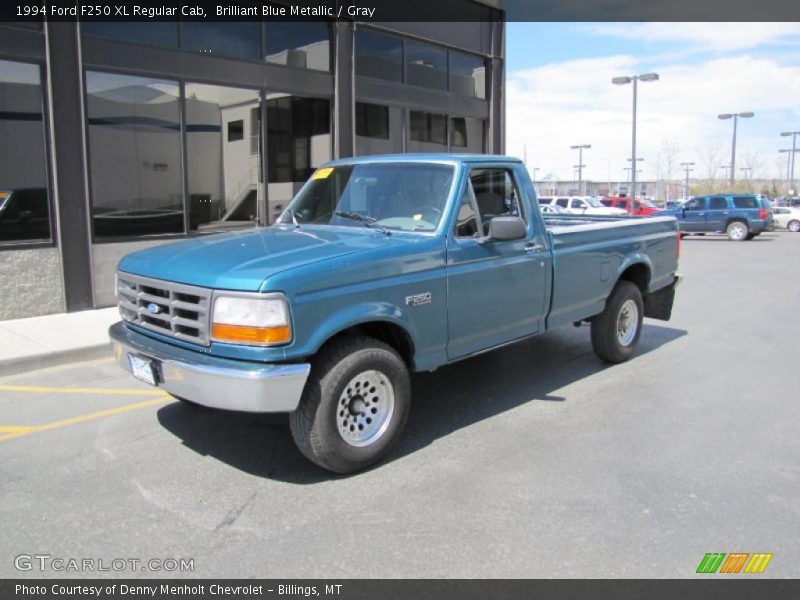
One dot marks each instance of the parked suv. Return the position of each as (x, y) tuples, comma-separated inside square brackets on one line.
[(739, 216), (581, 205)]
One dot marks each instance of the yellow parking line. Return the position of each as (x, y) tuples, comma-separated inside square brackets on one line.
[(35, 389), (8, 432)]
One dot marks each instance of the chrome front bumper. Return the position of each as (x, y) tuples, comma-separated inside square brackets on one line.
[(212, 381)]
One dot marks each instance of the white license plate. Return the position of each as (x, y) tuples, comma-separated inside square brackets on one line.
[(142, 368)]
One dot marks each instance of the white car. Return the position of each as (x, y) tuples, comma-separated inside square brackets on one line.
[(583, 205), (552, 209), (787, 217)]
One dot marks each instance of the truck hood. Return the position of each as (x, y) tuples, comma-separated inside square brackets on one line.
[(243, 260)]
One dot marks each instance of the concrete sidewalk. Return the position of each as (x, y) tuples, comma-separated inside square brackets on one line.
[(39, 342)]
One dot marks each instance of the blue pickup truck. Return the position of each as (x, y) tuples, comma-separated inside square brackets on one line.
[(381, 266)]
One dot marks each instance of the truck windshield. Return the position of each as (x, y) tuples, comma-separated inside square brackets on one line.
[(406, 196)]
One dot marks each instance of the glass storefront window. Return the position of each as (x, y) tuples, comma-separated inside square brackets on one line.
[(298, 141), (426, 65), (427, 132), (303, 45), (466, 135), (239, 39), (372, 120), (223, 174), (467, 75), (134, 155), (24, 198), (151, 33), (378, 55)]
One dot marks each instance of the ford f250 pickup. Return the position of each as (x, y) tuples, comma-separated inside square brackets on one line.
[(381, 266)]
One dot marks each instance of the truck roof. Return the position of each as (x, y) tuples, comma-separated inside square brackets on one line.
[(424, 157)]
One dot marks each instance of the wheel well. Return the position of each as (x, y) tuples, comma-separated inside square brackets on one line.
[(637, 274), (389, 333)]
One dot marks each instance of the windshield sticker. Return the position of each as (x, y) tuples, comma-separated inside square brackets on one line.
[(322, 173)]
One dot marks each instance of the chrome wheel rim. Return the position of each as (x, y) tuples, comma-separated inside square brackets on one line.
[(365, 408), (627, 323), (737, 231)]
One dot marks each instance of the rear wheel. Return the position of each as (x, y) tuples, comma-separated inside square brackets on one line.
[(737, 231), (615, 331), (355, 405), (793, 226)]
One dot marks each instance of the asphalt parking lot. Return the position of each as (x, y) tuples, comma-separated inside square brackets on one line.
[(532, 461)]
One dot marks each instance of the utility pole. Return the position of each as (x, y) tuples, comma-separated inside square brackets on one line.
[(735, 117), (794, 135), (580, 165), (686, 169)]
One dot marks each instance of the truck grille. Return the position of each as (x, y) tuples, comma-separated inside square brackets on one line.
[(174, 309)]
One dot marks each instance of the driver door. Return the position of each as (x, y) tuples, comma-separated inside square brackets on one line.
[(694, 215), (496, 290)]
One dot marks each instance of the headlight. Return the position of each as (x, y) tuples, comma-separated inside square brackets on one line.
[(251, 320)]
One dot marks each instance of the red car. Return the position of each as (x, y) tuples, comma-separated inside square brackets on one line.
[(634, 206)]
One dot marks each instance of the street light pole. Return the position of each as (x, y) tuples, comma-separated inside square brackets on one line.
[(789, 165), (794, 135), (580, 165), (687, 169), (635, 80), (735, 117)]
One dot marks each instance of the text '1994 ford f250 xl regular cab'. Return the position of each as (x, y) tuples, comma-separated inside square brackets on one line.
[(380, 266)]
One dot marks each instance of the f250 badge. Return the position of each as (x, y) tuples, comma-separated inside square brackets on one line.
[(418, 299)]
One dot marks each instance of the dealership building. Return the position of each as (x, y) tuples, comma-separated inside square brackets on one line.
[(117, 136)]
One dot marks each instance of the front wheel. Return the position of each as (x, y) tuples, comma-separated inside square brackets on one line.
[(793, 226), (615, 331), (355, 405), (737, 231)]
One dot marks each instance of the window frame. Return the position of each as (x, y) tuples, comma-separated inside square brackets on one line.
[(514, 184), (469, 191), (50, 187)]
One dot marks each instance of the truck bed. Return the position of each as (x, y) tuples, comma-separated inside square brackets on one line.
[(589, 253)]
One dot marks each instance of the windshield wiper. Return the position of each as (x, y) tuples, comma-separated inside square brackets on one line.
[(370, 222)]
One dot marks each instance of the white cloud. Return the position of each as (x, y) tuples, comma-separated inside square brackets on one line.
[(701, 36), (557, 105)]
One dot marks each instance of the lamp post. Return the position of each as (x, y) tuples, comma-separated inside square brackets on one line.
[(630, 175), (794, 135), (745, 170), (789, 165), (580, 148), (635, 80), (686, 169), (534, 178), (735, 117), (725, 171)]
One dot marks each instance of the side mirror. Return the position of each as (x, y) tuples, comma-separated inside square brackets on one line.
[(503, 229)]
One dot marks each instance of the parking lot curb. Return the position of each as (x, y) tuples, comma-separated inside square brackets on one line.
[(23, 364)]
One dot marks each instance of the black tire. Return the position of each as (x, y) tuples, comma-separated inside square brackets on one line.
[(750, 236), (315, 423), (606, 341), (793, 226), (737, 231)]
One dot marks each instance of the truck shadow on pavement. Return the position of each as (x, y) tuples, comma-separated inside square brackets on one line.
[(445, 401)]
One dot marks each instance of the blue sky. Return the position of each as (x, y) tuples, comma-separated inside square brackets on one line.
[(559, 94)]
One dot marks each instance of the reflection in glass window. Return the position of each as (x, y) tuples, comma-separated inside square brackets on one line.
[(134, 155), (24, 203), (240, 39), (372, 120), (222, 173), (298, 141), (303, 45), (426, 65), (467, 75), (466, 135), (427, 132), (378, 55), (151, 33)]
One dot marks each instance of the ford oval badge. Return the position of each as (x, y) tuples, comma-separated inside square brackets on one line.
[(153, 308)]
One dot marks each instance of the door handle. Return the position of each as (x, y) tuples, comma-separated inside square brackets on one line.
[(700, 214), (533, 247), (724, 212)]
